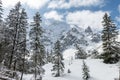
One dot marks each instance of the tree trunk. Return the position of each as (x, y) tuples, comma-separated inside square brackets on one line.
[(35, 66), (14, 44), (58, 66), (22, 69), (14, 68)]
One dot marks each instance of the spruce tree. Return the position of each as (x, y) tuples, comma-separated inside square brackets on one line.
[(58, 66), (85, 69), (13, 44), (37, 47), (22, 48), (109, 33), (13, 26)]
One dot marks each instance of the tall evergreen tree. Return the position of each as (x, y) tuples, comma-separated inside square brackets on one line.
[(15, 38), (58, 66), (22, 41), (109, 33), (15, 34), (36, 45), (85, 69), (13, 23)]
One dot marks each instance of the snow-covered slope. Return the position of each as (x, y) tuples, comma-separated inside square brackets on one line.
[(98, 71), (69, 53)]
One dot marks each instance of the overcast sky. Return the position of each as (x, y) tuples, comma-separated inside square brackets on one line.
[(79, 12)]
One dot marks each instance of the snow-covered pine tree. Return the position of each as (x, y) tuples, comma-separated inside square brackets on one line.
[(12, 36), (22, 43), (109, 33), (37, 47), (80, 54), (58, 67), (85, 69)]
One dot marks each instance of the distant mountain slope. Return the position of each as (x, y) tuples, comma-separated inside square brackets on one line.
[(69, 36)]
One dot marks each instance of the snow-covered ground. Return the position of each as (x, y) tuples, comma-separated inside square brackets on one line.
[(98, 70)]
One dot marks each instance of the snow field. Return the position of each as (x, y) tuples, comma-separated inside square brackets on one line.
[(98, 70)]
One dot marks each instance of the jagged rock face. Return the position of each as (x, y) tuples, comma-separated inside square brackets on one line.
[(96, 38), (88, 30), (69, 36), (79, 36), (72, 37)]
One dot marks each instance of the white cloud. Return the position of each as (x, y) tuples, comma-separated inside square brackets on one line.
[(74, 3), (36, 4), (53, 15), (86, 18)]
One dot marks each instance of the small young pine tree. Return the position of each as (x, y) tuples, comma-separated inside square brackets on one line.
[(85, 69), (69, 71), (58, 66)]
